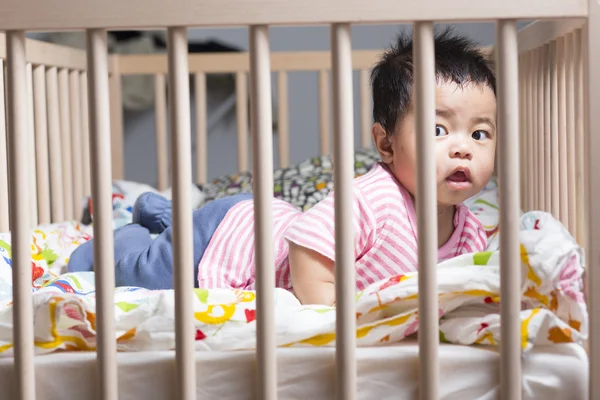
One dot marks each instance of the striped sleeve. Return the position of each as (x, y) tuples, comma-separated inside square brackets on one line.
[(473, 235), (315, 229)]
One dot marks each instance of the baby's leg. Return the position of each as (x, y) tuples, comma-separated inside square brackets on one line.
[(141, 261), (132, 237), (152, 267), (152, 211)]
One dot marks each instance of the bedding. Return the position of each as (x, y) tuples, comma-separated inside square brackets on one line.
[(302, 185), (64, 304), (557, 372), (554, 310)]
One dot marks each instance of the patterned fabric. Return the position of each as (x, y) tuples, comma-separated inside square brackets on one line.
[(469, 289), (385, 229), (302, 185), (51, 246)]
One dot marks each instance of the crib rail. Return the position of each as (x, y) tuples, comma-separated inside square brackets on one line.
[(97, 17), (558, 143), (73, 14), (551, 62), (58, 171), (238, 64)]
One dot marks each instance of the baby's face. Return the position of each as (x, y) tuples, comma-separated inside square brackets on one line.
[(465, 143)]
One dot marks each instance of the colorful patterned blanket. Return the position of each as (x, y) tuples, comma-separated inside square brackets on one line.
[(553, 311)]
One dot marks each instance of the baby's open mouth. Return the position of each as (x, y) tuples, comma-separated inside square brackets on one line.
[(460, 179), (458, 176)]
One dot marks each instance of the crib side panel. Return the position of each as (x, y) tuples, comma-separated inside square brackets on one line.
[(55, 138), (75, 14)]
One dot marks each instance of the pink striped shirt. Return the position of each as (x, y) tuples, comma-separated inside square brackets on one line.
[(228, 261), (384, 228)]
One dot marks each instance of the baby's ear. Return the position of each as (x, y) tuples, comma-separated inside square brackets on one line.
[(383, 143)]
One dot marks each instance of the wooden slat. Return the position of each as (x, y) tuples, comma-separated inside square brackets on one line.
[(85, 132), (104, 268), (591, 105), (33, 207), (324, 134), (283, 129), (76, 154), (343, 172), (65, 141), (262, 189), (427, 221), (241, 108), (4, 205), (41, 144), (547, 130), (540, 32), (366, 120), (54, 146), (571, 133), (221, 63), (162, 144), (510, 260), (116, 121), (201, 121), (183, 252), (49, 54), (135, 14), (18, 125)]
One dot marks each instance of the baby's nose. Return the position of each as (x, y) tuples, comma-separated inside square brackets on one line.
[(461, 150)]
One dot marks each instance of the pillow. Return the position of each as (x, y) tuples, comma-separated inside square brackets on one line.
[(302, 185)]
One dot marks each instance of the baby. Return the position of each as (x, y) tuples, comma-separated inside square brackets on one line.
[(384, 209)]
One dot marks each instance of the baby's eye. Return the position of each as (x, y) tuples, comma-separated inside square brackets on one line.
[(440, 130), (479, 135)]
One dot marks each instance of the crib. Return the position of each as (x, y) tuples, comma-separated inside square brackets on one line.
[(63, 105)]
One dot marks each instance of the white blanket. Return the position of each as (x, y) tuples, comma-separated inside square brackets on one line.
[(469, 286)]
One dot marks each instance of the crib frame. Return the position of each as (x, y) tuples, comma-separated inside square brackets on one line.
[(92, 79)]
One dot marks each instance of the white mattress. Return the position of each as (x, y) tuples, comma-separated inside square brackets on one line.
[(390, 372)]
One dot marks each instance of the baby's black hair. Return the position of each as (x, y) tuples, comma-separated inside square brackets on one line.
[(457, 60)]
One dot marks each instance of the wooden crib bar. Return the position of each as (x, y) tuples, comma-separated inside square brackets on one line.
[(508, 174), (41, 144), (32, 179), (99, 126), (18, 128), (4, 203), (179, 121), (590, 80), (201, 133), (241, 110), (160, 112), (343, 169), (55, 150), (426, 206)]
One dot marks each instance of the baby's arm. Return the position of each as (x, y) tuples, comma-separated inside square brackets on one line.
[(313, 276), (311, 240)]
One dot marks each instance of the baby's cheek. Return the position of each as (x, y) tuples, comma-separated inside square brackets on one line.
[(483, 172)]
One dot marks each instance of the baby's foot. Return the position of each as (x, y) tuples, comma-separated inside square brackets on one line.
[(153, 212)]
